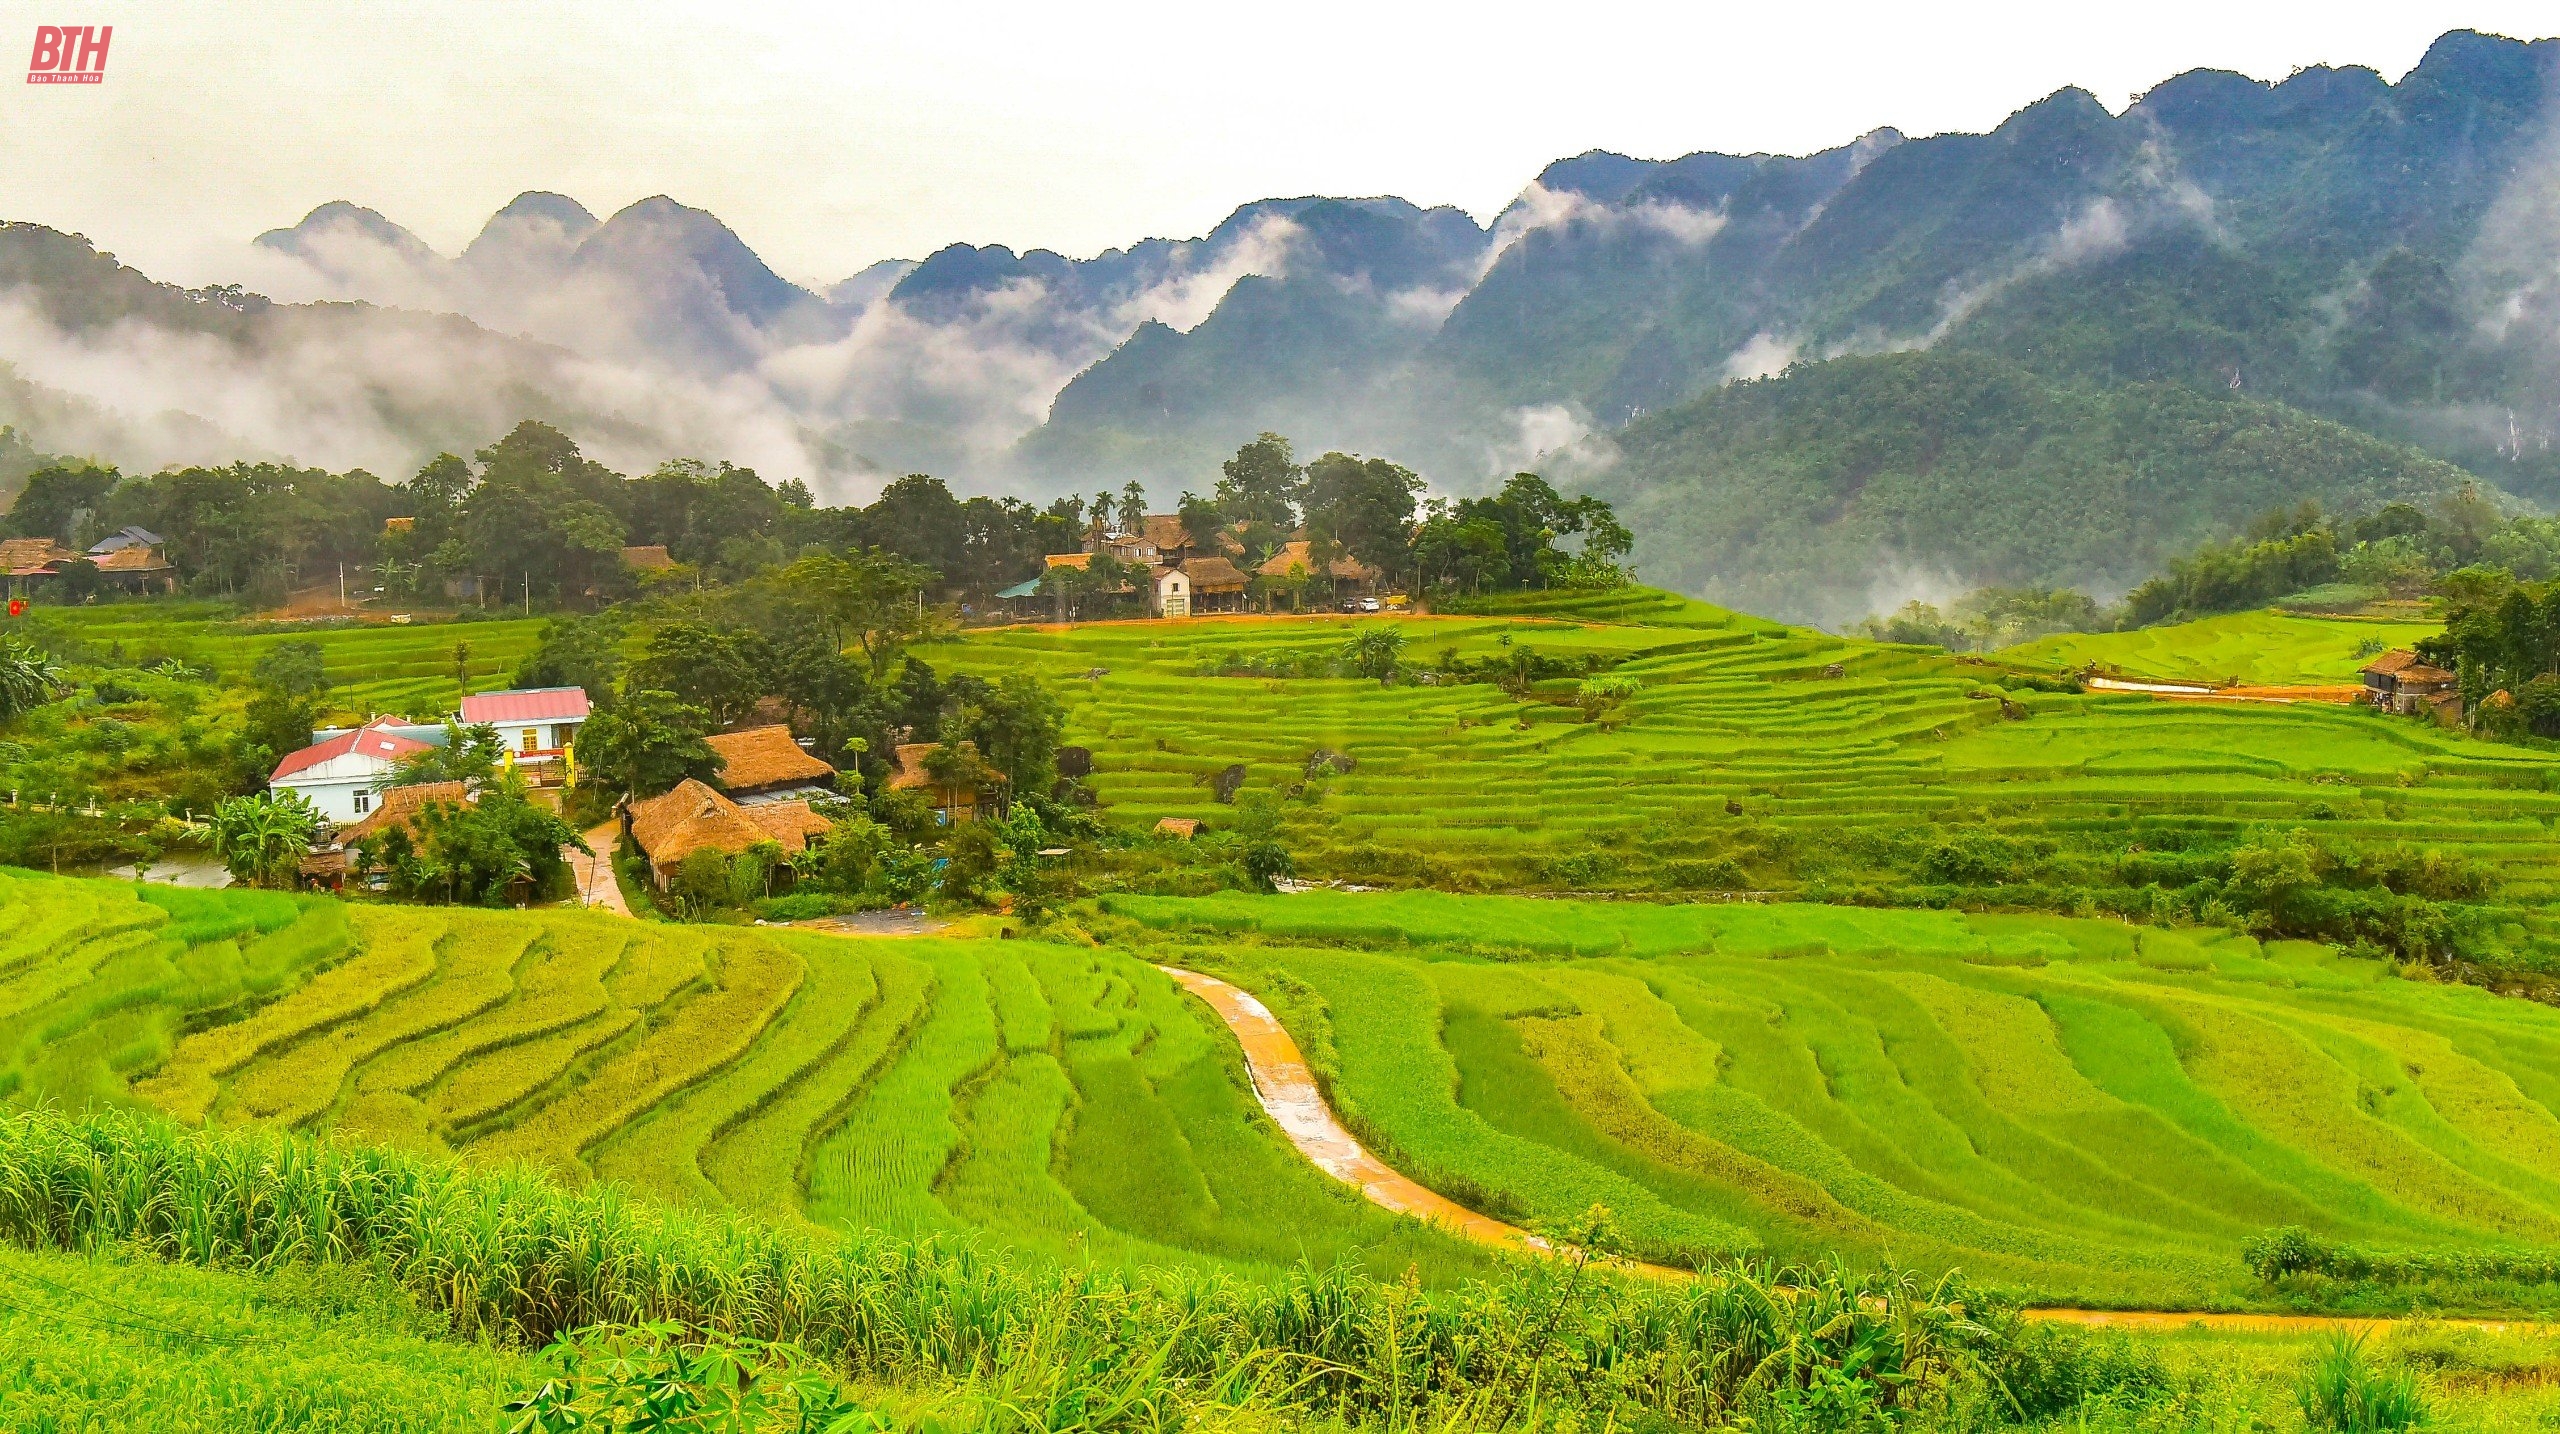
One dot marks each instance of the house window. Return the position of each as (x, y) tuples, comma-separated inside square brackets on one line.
[(364, 803), (528, 739)]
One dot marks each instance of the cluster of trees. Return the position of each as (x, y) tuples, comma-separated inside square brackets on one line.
[(531, 519), (528, 517), (2461, 547), (2503, 637), (1989, 618)]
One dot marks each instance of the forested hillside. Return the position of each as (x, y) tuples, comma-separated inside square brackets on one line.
[(1841, 488)]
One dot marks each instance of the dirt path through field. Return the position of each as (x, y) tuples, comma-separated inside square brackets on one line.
[(596, 886), (2339, 693), (1288, 1091)]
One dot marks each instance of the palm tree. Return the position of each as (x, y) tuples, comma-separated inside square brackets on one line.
[(261, 839)]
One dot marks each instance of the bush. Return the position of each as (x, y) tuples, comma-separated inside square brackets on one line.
[(798, 906)]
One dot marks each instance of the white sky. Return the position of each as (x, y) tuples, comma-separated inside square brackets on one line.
[(833, 135)]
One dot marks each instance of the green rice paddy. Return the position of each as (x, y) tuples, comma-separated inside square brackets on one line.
[(1754, 757), (400, 668), (2083, 1109), (1064, 1100), (2257, 649)]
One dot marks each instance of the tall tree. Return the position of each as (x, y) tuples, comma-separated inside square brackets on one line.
[(289, 685), (648, 742), (1365, 505), (1262, 483)]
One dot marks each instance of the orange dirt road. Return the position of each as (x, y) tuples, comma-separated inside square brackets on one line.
[(1288, 1092), (596, 886), (1287, 1089)]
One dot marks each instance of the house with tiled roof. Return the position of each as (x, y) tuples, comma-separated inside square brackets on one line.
[(693, 817), (538, 726), (341, 775), (766, 764)]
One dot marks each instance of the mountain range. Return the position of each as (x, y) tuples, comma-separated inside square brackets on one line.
[(2368, 266)]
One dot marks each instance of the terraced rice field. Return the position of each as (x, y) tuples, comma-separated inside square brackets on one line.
[(1738, 742), (406, 668), (2257, 649), (1066, 1100), (2077, 1108)]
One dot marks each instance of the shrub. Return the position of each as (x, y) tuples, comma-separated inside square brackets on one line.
[(2340, 1389)]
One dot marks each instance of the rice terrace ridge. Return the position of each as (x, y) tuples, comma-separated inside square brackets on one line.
[(1878, 779)]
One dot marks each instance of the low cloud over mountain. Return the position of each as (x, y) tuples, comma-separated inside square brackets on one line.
[(2374, 252)]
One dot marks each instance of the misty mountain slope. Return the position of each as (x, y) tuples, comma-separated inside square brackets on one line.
[(1624, 291), (1354, 289), (2221, 224), (1844, 487), (112, 364)]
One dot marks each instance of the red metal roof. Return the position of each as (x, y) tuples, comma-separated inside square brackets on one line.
[(366, 741), (530, 704)]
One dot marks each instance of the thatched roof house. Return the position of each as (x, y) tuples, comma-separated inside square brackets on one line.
[(693, 818), (765, 764), (952, 802)]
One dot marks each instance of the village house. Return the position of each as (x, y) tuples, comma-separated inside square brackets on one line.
[(2398, 681), (538, 726), (953, 802), (341, 774), (694, 817), (1345, 574), (766, 764), (31, 560), (1217, 585), (1169, 593), (130, 559)]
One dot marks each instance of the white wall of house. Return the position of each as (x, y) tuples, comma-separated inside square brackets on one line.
[(1173, 594), (341, 789)]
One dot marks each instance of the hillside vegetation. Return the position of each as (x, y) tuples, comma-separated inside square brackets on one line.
[(1821, 494)]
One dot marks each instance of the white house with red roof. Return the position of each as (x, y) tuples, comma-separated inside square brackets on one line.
[(537, 725), (341, 775)]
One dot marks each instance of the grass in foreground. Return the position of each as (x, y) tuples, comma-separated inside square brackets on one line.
[(1544, 1344), (108, 1341)]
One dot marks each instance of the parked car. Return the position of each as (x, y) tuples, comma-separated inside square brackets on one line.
[(1368, 604)]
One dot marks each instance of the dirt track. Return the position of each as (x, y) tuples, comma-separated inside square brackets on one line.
[(1288, 1091)]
